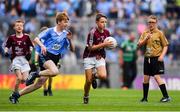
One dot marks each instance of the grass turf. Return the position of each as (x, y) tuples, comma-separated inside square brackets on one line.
[(100, 100)]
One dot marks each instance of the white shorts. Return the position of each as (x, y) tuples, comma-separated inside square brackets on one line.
[(20, 63), (92, 62)]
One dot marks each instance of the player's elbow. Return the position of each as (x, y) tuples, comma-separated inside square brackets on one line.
[(35, 40)]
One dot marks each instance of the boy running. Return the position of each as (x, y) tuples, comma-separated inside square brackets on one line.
[(53, 43), (94, 55), (21, 47)]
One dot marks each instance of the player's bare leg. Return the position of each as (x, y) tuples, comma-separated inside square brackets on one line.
[(18, 80), (24, 76), (87, 86), (101, 72), (33, 87), (51, 71)]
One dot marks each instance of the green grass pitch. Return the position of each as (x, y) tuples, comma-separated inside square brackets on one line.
[(100, 100)]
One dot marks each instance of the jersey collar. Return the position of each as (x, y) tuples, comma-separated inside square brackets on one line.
[(59, 33)]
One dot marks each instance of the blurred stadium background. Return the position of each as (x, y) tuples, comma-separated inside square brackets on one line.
[(125, 17)]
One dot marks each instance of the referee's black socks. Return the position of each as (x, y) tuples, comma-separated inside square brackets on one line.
[(163, 90), (145, 90)]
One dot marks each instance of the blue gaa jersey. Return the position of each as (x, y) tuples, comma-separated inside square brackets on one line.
[(55, 42)]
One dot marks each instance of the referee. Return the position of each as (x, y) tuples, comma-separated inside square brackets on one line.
[(156, 46)]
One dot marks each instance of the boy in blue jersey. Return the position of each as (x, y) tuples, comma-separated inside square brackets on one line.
[(48, 85), (52, 44)]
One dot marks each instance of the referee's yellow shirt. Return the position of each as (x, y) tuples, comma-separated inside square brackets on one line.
[(155, 44)]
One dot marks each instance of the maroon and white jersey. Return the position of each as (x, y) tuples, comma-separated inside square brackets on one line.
[(19, 46), (94, 38)]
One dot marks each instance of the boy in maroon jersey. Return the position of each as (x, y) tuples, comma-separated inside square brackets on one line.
[(94, 54), (21, 46)]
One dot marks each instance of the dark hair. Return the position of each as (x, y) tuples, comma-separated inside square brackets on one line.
[(99, 16)]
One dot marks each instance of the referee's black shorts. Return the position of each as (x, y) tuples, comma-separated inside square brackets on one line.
[(152, 66), (48, 56)]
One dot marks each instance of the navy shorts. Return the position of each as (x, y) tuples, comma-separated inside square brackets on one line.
[(152, 66), (48, 56)]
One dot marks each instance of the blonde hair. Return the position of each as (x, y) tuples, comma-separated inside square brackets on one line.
[(61, 16), (20, 20), (152, 17)]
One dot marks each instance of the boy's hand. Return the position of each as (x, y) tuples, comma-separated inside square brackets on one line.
[(108, 43), (148, 36), (69, 35), (43, 50), (160, 58)]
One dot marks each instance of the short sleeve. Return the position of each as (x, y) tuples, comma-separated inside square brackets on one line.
[(164, 40), (29, 41), (108, 33), (8, 43), (90, 38), (44, 34), (142, 37)]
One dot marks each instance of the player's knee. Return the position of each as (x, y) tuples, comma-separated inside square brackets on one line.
[(39, 83), (54, 72), (103, 77), (88, 81), (19, 80), (22, 81), (145, 81)]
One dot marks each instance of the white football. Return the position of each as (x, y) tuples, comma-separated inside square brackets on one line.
[(113, 40)]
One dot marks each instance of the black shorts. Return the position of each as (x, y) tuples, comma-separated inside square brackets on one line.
[(48, 56), (152, 66)]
